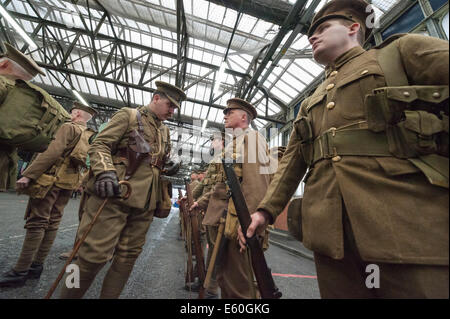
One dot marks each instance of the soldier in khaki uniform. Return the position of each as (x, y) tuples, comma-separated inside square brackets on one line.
[(14, 65), (196, 186), (120, 230), (206, 187), (44, 214), (249, 148), (377, 152)]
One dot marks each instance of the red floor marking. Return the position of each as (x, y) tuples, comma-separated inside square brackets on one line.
[(294, 276)]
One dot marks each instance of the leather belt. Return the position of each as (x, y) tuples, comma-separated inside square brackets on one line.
[(354, 142)]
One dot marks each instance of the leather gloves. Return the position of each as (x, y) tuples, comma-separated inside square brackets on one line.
[(107, 185)]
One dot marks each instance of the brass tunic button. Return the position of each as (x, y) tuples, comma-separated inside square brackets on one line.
[(330, 87), (336, 159), (436, 95), (331, 105), (406, 94), (334, 73), (364, 72)]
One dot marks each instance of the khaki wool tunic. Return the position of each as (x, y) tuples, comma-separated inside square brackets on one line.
[(396, 215), (104, 156)]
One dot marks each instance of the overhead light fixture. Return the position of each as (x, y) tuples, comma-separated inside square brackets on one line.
[(80, 98), (17, 27)]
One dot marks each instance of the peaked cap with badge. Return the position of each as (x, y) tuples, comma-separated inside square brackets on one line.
[(351, 10), (173, 93), (24, 61), (79, 106), (237, 103)]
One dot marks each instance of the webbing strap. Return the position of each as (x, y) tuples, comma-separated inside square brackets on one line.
[(350, 142), (391, 63)]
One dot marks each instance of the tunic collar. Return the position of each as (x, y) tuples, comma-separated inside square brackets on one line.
[(344, 58), (81, 123), (145, 110)]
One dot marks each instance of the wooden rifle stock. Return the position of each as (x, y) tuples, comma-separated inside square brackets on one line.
[(197, 244), (263, 275)]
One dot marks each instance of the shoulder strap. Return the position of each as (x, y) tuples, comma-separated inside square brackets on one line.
[(135, 114), (391, 63), (76, 139)]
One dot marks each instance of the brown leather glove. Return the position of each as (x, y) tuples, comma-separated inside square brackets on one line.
[(107, 185)]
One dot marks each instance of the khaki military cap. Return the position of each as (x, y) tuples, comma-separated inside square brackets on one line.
[(24, 61), (238, 103), (79, 106), (351, 10), (173, 93)]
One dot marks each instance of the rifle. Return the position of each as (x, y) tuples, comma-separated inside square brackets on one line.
[(187, 234), (200, 263), (263, 276)]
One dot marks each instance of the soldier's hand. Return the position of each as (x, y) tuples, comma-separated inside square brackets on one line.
[(107, 185), (194, 206), (23, 182), (260, 219)]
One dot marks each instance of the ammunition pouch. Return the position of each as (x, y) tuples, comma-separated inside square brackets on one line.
[(69, 177), (164, 206), (231, 222), (39, 188), (412, 118), (415, 121)]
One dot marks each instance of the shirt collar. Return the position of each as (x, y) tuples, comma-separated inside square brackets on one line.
[(344, 58)]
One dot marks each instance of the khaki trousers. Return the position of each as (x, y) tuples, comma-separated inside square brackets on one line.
[(43, 217), (119, 232), (211, 235), (346, 278), (235, 275), (47, 212)]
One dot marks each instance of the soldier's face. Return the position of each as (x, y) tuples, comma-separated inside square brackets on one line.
[(233, 118), (329, 40), (163, 107)]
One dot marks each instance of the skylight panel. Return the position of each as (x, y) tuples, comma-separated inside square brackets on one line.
[(230, 18), (301, 43), (212, 114), (196, 111), (219, 117), (92, 87), (287, 87), (281, 95), (201, 9), (247, 23), (261, 28)]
